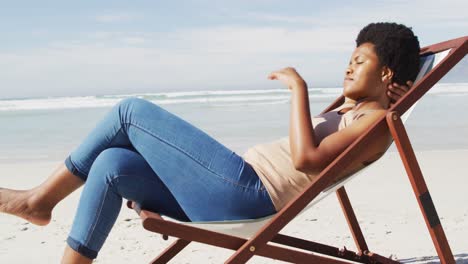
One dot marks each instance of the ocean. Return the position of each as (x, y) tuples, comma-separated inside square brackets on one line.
[(47, 129)]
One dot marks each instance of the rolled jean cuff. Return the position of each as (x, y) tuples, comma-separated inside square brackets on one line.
[(72, 168), (80, 248)]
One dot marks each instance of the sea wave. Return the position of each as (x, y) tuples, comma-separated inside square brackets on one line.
[(450, 89), (189, 97), (213, 97)]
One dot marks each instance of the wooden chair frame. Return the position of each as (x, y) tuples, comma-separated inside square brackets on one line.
[(258, 244)]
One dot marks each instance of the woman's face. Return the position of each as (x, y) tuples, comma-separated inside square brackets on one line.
[(364, 76)]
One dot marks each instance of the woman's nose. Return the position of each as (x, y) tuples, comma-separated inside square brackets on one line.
[(349, 70)]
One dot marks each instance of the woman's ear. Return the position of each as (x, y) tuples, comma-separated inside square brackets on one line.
[(387, 74)]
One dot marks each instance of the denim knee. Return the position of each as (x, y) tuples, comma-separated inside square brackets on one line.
[(131, 102), (110, 163), (73, 169)]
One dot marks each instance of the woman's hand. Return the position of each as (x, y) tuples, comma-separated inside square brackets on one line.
[(289, 77), (396, 91)]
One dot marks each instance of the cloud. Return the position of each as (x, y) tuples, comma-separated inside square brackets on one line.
[(285, 18), (238, 39), (419, 12), (133, 40), (217, 56), (110, 18)]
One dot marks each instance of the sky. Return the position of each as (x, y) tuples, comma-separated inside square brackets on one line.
[(65, 48)]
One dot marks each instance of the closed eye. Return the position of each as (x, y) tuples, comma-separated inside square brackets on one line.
[(358, 62)]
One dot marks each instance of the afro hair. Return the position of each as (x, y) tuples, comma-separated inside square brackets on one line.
[(396, 47)]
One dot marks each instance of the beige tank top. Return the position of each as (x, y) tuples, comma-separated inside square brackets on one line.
[(273, 164)]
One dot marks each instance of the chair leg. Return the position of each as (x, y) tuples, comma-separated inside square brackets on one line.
[(353, 223), (170, 252), (419, 187)]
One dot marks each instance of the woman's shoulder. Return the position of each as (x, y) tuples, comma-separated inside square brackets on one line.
[(346, 106), (361, 116), (370, 112)]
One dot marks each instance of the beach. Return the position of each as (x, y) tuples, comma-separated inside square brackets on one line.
[(382, 197)]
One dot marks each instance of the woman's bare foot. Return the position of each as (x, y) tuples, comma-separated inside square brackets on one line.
[(23, 204)]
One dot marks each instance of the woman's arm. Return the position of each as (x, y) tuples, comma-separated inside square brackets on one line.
[(301, 132), (302, 139), (310, 156), (395, 92)]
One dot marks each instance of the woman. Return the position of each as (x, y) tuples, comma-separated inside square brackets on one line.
[(143, 153)]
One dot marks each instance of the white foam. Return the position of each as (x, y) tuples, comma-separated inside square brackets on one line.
[(55, 103), (218, 97), (450, 88)]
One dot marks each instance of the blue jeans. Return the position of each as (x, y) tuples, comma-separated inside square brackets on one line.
[(141, 152)]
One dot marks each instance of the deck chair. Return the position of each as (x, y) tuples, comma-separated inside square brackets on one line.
[(261, 236)]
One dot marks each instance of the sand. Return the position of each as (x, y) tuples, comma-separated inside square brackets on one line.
[(382, 198)]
